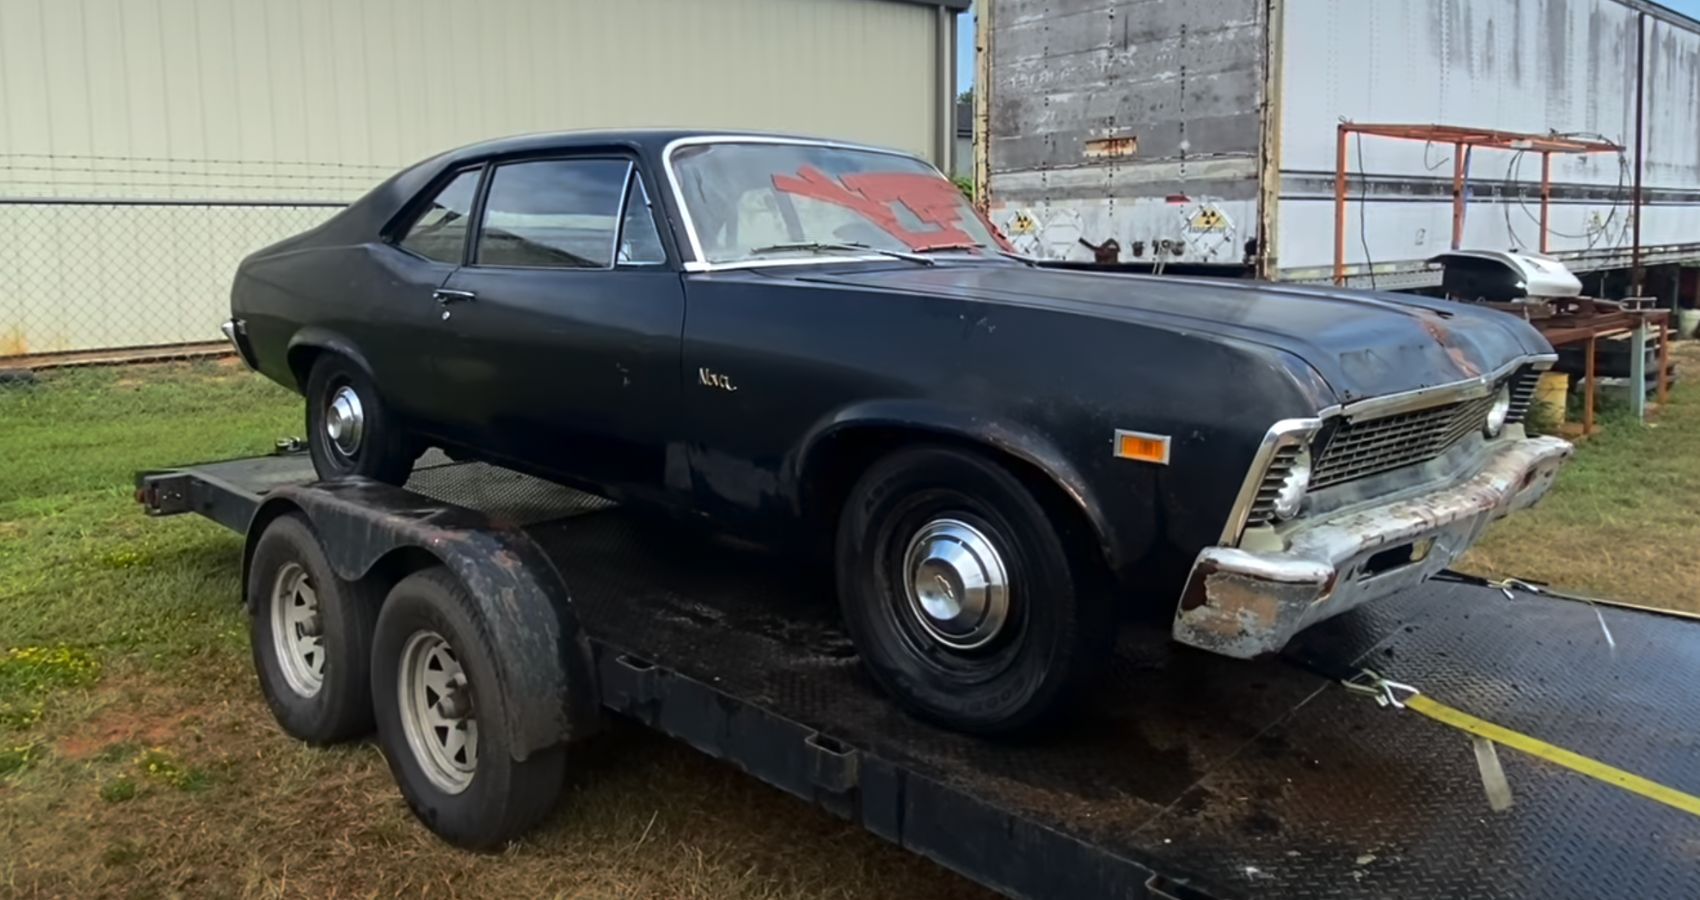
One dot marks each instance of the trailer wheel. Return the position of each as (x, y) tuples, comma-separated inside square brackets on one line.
[(960, 594), (311, 635), (440, 712)]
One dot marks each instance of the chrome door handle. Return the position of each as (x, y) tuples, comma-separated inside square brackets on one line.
[(446, 296)]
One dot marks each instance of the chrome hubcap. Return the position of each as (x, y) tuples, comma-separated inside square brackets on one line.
[(345, 420), (957, 585), (437, 713), (298, 630)]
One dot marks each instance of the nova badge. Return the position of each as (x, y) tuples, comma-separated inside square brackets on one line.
[(710, 378)]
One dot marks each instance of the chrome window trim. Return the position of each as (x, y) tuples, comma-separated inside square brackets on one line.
[(1437, 395), (620, 215), (1284, 433), (698, 261), (654, 227)]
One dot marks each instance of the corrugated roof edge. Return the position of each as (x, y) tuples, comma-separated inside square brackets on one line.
[(953, 5), (1660, 11)]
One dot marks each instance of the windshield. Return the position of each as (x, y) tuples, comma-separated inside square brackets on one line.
[(763, 201)]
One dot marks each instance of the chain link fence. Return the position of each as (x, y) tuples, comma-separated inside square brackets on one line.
[(115, 275), (83, 279)]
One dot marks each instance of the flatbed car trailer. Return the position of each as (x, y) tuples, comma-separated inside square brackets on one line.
[(1200, 776)]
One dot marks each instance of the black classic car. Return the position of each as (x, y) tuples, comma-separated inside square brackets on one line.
[(806, 341)]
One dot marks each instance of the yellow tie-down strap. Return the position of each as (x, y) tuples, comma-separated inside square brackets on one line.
[(1386, 692)]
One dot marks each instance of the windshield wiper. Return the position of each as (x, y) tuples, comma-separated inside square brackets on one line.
[(841, 246), (939, 248)]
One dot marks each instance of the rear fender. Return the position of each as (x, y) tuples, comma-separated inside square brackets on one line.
[(319, 338), (544, 665)]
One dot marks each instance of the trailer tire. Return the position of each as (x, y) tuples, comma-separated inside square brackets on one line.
[(311, 635), (434, 680), (925, 536)]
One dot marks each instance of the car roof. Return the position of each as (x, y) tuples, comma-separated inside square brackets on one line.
[(649, 140), (380, 206)]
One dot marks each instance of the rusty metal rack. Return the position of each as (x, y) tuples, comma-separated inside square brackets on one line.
[(1463, 140), (1588, 331), (1199, 776)]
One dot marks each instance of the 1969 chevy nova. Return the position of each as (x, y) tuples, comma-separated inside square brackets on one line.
[(794, 338)]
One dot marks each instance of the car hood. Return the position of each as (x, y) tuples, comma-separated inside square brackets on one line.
[(1363, 344)]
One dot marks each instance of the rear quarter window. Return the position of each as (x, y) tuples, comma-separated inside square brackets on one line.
[(439, 231)]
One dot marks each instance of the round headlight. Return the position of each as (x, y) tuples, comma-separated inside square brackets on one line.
[(1291, 493), (1499, 412)]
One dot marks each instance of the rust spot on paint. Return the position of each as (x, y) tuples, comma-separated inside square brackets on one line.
[(1443, 336)]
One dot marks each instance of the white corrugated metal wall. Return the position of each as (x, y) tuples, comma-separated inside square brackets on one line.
[(315, 100), (1516, 65)]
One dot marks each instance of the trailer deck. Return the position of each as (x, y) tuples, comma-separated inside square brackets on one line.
[(1196, 776)]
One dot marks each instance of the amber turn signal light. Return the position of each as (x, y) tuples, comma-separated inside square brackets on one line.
[(1141, 447)]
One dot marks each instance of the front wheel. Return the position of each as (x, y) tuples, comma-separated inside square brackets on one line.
[(959, 591), (350, 430)]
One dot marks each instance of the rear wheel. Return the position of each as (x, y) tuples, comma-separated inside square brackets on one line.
[(440, 713), (960, 594), (350, 430)]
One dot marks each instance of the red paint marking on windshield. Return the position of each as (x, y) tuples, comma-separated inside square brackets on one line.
[(931, 199)]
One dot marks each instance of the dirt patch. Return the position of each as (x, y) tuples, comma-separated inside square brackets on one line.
[(127, 725), (136, 711)]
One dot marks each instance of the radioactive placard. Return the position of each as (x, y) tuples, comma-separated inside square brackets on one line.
[(1207, 220)]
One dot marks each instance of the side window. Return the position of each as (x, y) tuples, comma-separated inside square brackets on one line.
[(440, 231), (553, 213), (640, 241)]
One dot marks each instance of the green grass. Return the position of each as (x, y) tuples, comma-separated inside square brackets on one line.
[(79, 565), (1623, 521), (138, 759)]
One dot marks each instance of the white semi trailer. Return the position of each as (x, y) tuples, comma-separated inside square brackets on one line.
[(1207, 134)]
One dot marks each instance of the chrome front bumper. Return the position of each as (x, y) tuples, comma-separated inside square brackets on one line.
[(1245, 604)]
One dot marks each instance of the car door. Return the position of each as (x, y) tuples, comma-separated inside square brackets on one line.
[(564, 326), (396, 332)]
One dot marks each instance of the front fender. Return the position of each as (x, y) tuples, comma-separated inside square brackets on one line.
[(1004, 437), (545, 666)]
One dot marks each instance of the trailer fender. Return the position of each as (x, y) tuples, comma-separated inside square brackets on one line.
[(545, 665)]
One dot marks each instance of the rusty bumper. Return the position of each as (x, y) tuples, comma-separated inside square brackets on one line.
[(1245, 604)]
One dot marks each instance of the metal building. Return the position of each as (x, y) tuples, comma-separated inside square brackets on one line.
[(146, 145), (1207, 132)]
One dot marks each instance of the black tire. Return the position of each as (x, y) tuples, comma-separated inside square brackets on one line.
[(504, 797), (385, 451), (286, 559), (1060, 627)]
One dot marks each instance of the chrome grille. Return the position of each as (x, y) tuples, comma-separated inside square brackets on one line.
[(1263, 508), (1523, 386), (1359, 449)]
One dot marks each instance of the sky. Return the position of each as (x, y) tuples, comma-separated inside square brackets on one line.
[(965, 39)]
